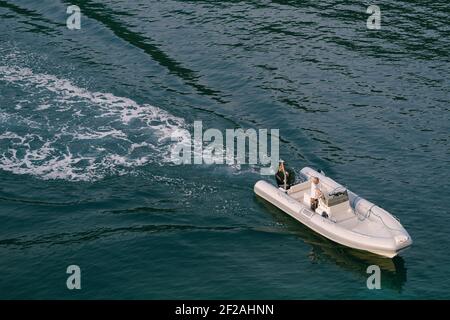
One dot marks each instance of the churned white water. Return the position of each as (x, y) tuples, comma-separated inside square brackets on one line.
[(67, 132)]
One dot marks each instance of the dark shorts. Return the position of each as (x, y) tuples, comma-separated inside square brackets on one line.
[(314, 203)]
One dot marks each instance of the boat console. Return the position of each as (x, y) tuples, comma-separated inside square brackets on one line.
[(331, 199), (336, 205)]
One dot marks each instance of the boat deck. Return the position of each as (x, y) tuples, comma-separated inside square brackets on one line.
[(342, 215)]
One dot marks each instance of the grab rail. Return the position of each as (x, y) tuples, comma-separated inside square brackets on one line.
[(370, 212)]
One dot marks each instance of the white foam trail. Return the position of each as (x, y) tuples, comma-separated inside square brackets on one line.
[(127, 109), (75, 134)]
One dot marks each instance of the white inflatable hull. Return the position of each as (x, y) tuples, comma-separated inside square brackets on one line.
[(367, 227)]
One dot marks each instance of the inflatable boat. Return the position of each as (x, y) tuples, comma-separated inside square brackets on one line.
[(341, 215)]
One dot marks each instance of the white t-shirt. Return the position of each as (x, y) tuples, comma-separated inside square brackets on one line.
[(314, 190)]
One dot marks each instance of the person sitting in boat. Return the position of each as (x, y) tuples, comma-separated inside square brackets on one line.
[(285, 177), (316, 193)]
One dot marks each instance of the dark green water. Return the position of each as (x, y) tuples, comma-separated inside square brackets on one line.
[(85, 123)]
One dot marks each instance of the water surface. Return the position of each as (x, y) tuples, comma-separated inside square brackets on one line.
[(86, 118)]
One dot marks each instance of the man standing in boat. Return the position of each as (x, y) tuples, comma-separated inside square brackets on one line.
[(316, 193), (285, 177)]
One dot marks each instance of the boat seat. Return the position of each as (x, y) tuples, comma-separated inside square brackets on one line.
[(300, 187), (307, 199)]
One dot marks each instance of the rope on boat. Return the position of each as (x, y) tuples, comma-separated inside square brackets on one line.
[(369, 212)]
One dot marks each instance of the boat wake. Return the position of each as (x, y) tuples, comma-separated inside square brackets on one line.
[(57, 130)]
